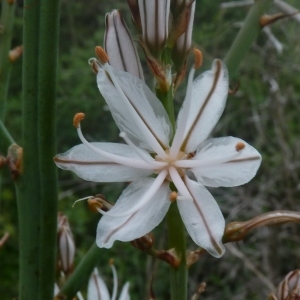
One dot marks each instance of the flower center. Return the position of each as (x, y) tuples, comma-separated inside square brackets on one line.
[(170, 163)]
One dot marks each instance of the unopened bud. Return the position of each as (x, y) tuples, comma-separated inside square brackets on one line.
[(119, 45), (135, 13), (144, 243), (155, 24), (289, 288), (66, 245), (15, 53)]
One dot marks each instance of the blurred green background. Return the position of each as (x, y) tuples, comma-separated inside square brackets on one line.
[(265, 112)]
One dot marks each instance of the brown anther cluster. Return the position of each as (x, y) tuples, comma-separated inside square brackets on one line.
[(102, 55), (239, 146), (198, 58), (99, 202), (173, 196), (78, 118)]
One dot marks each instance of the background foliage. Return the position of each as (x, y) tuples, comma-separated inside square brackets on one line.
[(264, 112)]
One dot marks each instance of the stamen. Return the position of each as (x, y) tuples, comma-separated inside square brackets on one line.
[(197, 163), (198, 58), (77, 119), (82, 199), (125, 161), (239, 146), (181, 128), (102, 55), (115, 279), (180, 185), (134, 114), (144, 200), (140, 153), (173, 196)]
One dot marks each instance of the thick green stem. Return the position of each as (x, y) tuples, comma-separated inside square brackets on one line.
[(81, 273), (7, 20), (246, 35), (176, 234), (28, 186), (167, 99), (47, 71)]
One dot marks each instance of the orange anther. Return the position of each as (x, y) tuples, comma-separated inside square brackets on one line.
[(198, 58), (77, 119), (173, 196), (102, 55), (111, 262), (239, 146)]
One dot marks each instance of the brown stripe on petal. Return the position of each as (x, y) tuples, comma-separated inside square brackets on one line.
[(78, 162), (216, 79), (243, 159), (97, 286), (147, 125), (119, 227), (213, 241)]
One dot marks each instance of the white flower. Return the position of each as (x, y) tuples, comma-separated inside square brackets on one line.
[(97, 288), (191, 162)]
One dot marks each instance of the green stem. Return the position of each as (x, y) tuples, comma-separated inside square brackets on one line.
[(28, 186), (176, 235), (5, 137), (81, 273), (167, 99), (246, 35), (7, 20), (47, 78)]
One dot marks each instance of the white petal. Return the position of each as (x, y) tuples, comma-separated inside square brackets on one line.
[(142, 102), (203, 219), (125, 292), (93, 167), (97, 289), (237, 171), (136, 225), (201, 112)]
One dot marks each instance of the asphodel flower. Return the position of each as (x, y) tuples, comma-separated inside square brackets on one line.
[(153, 157), (97, 289)]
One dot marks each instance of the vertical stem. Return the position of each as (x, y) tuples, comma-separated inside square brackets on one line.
[(176, 234), (167, 99), (47, 77), (246, 35), (28, 186)]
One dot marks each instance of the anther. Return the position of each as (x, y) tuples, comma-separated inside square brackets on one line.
[(111, 262), (198, 58), (239, 146), (77, 119), (173, 196), (102, 55)]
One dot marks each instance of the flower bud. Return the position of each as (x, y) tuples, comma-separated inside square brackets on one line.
[(66, 245), (135, 13), (119, 45), (155, 22), (289, 288), (144, 243), (183, 43)]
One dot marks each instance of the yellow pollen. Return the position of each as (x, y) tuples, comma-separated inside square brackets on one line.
[(102, 55), (78, 118), (173, 196), (239, 146), (198, 58)]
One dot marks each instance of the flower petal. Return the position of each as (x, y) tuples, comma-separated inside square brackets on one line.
[(140, 104), (201, 112), (232, 172), (97, 289), (136, 225), (203, 218), (125, 292), (93, 167)]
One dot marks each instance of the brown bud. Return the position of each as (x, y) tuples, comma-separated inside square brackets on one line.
[(270, 19), (15, 53), (170, 256), (14, 160), (144, 243)]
